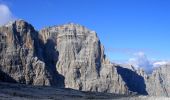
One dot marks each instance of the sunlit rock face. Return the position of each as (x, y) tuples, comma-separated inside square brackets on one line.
[(21, 54), (68, 56), (81, 59), (71, 56), (158, 83)]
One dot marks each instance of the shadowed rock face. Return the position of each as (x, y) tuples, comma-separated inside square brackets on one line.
[(6, 78), (70, 56), (155, 84), (135, 82)]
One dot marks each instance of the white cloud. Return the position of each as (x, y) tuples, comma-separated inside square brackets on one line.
[(140, 60), (5, 14), (159, 63)]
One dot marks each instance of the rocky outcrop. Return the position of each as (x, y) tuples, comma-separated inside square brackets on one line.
[(154, 84), (21, 54), (70, 56), (81, 59), (158, 83)]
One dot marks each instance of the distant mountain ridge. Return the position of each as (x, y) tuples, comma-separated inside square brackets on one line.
[(70, 56)]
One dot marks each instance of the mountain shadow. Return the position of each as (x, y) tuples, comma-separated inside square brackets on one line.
[(135, 82), (51, 58), (6, 78)]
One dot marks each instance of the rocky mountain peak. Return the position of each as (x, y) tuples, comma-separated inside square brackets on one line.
[(21, 54), (22, 26), (70, 56), (69, 30)]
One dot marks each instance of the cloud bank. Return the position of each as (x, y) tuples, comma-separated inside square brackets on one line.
[(140, 60), (5, 14)]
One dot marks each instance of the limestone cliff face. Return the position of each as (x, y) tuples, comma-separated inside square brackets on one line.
[(158, 83), (81, 59), (21, 54), (70, 56)]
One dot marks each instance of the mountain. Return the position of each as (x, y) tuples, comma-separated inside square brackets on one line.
[(70, 56), (158, 83), (21, 54)]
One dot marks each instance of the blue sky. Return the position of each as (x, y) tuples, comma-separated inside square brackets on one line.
[(124, 27)]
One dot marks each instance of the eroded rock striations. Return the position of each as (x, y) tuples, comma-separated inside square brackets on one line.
[(21, 54), (81, 59), (70, 56)]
